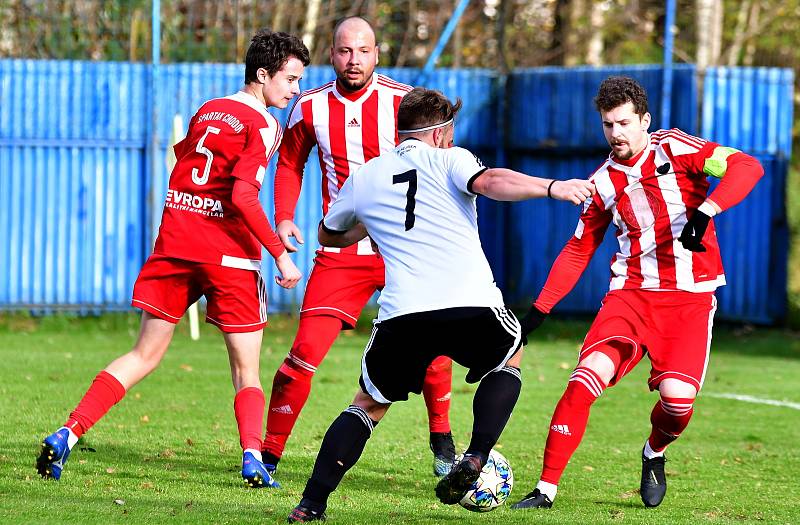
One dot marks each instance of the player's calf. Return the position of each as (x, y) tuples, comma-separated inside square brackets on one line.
[(55, 451)]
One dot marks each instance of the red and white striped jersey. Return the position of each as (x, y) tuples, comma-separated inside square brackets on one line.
[(647, 198), (229, 138), (348, 128)]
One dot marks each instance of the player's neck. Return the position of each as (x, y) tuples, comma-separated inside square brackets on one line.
[(635, 157), (253, 89), (353, 95)]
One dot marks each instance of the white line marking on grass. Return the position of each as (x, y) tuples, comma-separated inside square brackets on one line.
[(758, 400)]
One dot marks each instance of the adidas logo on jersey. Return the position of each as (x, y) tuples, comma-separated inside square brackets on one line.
[(285, 409), (353, 123), (561, 429)]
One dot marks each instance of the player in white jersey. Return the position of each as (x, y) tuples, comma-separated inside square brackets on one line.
[(418, 204)]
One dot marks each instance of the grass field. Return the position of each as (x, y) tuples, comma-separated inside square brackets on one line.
[(169, 452)]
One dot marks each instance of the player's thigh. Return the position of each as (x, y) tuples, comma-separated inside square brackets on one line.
[(616, 333), (681, 354), (396, 359), (237, 298), (166, 287), (482, 339), (340, 285)]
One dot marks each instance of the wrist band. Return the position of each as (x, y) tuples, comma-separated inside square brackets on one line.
[(707, 208), (549, 195)]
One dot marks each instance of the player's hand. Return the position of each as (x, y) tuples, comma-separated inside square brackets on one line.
[(289, 274), (532, 320), (693, 232), (574, 190), (286, 229)]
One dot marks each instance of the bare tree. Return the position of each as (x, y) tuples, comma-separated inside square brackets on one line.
[(709, 32), (594, 51), (310, 27)]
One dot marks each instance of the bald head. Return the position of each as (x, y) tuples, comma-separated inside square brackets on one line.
[(353, 25), (354, 54)]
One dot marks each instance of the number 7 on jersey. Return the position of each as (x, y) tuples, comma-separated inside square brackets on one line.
[(410, 177)]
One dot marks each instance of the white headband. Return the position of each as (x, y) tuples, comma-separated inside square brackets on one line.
[(427, 128)]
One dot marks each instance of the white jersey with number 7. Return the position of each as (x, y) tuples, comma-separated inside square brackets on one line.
[(418, 208)]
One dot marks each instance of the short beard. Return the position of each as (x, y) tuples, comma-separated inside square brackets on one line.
[(352, 86)]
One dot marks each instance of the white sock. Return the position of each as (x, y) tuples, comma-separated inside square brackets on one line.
[(256, 453), (649, 453), (71, 438), (548, 489)]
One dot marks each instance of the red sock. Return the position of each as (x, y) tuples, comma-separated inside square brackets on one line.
[(436, 389), (669, 417), (105, 392), (292, 383), (248, 406), (569, 422)]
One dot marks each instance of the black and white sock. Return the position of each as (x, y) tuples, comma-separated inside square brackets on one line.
[(341, 447), (491, 407)]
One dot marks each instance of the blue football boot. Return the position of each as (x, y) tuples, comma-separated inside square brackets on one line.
[(256, 474), (54, 454)]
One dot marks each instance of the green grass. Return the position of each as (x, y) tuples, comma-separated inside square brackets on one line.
[(170, 450)]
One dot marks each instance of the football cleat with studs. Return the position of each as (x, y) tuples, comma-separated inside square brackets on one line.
[(534, 500), (458, 481), (55, 451), (256, 474), (305, 511), (654, 481), (444, 453)]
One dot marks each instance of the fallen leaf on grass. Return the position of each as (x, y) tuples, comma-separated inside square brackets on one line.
[(110, 470), (145, 419), (563, 365), (186, 367), (119, 502)]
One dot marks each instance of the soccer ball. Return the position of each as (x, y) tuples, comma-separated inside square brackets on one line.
[(493, 486)]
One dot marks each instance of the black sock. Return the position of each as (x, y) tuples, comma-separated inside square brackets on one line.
[(491, 407), (341, 447)]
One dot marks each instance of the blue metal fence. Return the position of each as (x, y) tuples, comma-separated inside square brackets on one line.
[(78, 191)]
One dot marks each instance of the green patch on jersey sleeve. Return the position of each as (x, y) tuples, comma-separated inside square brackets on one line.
[(717, 164)]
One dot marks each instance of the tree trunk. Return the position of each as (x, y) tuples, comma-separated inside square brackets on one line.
[(312, 19), (279, 15), (750, 50), (739, 33), (594, 51), (572, 38), (709, 32)]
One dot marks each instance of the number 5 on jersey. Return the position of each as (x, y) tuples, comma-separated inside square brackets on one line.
[(410, 177), (209, 157)]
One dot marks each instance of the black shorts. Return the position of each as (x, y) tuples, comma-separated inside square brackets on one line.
[(400, 349)]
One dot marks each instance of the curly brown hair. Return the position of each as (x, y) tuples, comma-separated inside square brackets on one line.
[(616, 91), (271, 51), (423, 107)]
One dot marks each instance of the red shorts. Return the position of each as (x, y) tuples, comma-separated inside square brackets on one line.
[(340, 285), (237, 298), (673, 328)]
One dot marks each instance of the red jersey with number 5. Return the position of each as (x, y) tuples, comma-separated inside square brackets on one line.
[(229, 138)]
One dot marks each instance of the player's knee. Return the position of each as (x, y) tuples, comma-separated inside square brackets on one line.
[(601, 364), (675, 388), (289, 371)]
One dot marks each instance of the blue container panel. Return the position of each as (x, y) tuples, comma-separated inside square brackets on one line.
[(538, 230), (72, 101), (552, 108), (74, 225), (749, 109)]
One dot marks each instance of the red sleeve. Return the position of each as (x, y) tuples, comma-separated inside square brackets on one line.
[(292, 157), (258, 149), (575, 256), (740, 178), (245, 198)]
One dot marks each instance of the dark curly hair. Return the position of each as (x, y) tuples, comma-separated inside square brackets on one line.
[(271, 51), (616, 91), (423, 107)]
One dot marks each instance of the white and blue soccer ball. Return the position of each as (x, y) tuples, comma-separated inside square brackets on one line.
[(492, 487)]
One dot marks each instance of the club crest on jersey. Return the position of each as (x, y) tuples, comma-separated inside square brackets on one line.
[(638, 207), (180, 200)]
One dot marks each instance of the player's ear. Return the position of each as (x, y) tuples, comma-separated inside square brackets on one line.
[(646, 121), (377, 55)]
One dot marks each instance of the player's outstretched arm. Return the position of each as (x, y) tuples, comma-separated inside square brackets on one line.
[(341, 239), (503, 184)]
